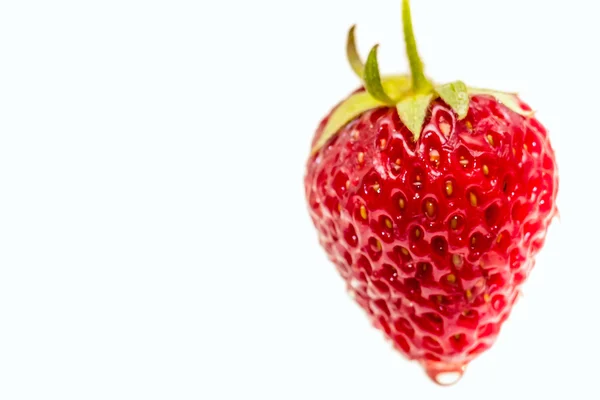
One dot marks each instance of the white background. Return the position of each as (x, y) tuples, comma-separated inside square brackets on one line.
[(154, 239)]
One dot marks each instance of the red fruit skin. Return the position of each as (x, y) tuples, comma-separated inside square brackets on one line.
[(436, 270)]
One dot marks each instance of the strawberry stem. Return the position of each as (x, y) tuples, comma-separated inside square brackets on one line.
[(420, 82)]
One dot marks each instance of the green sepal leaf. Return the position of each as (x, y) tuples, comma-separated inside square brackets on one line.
[(344, 113), (372, 79), (352, 107), (352, 54), (510, 100), (412, 111), (456, 96)]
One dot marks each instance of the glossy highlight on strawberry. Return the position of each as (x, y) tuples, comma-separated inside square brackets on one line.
[(435, 232)]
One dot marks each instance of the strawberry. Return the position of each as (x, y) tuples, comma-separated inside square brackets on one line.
[(432, 201)]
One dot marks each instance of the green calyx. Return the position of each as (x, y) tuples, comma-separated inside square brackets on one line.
[(411, 95)]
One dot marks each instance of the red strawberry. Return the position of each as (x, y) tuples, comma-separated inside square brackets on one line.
[(432, 201)]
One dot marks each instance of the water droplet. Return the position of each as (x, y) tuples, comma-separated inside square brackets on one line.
[(443, 374)]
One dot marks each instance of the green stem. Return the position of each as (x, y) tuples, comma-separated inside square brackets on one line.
[(419, 80)]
